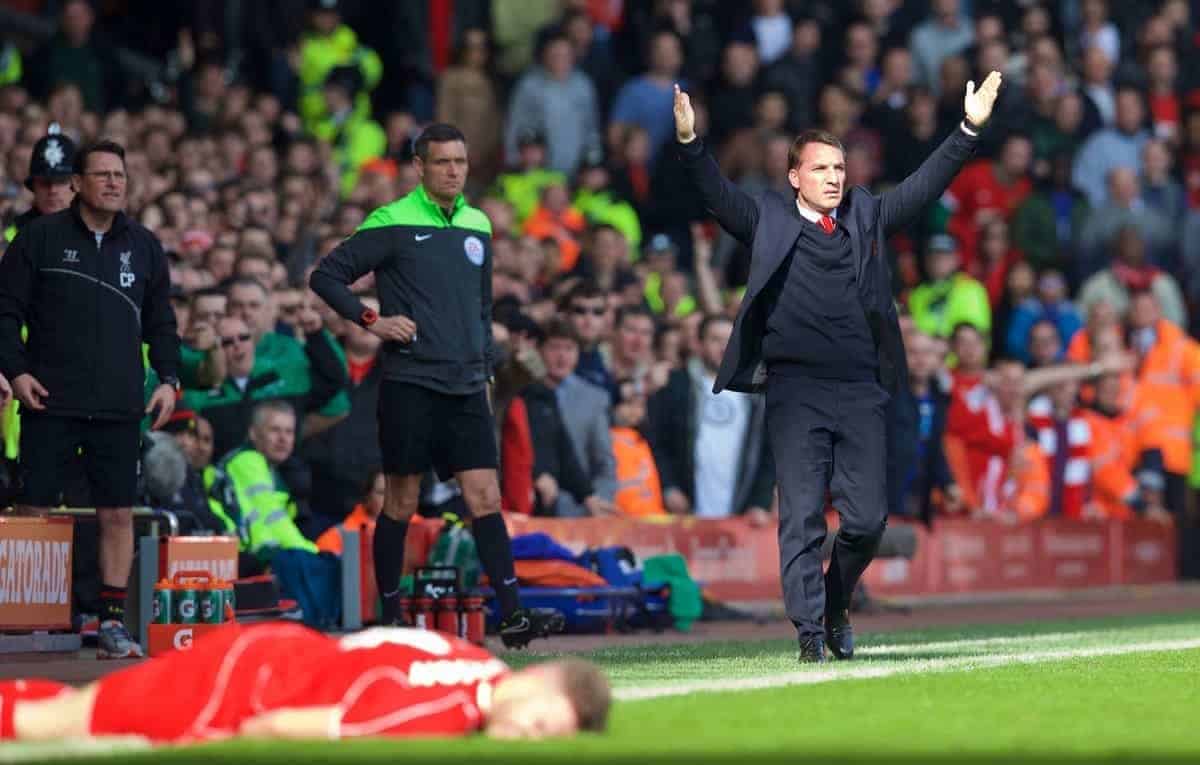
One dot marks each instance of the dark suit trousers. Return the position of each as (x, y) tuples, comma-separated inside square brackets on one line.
[(826, 435)]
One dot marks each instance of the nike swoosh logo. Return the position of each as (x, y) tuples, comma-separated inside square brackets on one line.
[(521, 626), (423, 237), (511, 581)]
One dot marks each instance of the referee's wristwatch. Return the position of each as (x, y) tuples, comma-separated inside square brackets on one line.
[(172, 381), (368, 317)]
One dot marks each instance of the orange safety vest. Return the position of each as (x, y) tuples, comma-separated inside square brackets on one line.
[(639, 489), (1114, 455), (1028, 487), (1165, 403), (331, 540), (564, 229)]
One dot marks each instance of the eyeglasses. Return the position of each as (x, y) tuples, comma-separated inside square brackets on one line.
[(107, 175), (582, 310), (242, 338)]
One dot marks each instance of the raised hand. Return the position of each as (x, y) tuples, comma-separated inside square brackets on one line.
[(978, 103), (685, 118)]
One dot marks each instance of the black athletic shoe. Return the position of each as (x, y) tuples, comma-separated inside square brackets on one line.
[(525, 624), (812, 649), (839, 635)]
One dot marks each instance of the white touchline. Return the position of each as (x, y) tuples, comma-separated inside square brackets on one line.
[(20, 751), (949, 645), (863, 672)]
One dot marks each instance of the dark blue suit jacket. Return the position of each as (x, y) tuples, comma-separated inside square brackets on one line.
[(768, 225)]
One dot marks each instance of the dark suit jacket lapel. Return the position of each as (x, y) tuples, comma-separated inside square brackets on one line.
[(787, 229)]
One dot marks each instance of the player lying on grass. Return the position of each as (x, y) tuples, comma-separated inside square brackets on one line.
[(283, 680)]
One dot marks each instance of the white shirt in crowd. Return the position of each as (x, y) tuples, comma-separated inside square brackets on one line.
[(719, 438)]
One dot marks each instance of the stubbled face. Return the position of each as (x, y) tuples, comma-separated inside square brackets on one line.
[(444, 171), (820, 177)]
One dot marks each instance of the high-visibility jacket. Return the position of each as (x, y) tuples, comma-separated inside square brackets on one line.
[(256, 500), (1165, 404), (1113, 456), (358, 520), (1027, 488), (639, 488), (319, 55), (523, 189), (564, 228)]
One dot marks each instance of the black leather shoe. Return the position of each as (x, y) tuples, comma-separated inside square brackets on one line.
[(839, 635), (812, 649)]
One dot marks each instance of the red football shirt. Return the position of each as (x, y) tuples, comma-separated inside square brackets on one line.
[(385, 682)]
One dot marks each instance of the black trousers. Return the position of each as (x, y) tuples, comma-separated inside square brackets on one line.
[(827, 436)]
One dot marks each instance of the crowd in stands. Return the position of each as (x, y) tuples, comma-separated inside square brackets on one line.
[(1049, 299)]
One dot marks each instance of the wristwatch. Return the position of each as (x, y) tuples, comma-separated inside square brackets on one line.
[(172, 381), (368, 317)]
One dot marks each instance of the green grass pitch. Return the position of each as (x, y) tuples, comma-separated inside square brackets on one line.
[(1125, 690)]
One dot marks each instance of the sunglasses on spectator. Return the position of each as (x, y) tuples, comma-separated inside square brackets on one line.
[(242, 338), (583, 310)]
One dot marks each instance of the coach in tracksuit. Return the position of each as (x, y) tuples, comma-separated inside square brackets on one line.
[(91, 285), (818, 331), (431, 255)]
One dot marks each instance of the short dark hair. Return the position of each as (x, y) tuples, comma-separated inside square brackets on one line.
[(246, 281), (557, 327), (627, 311), (103, 146), (590, 695), (812, 136), (964, 325), (584, 290), (439, 132), (206, 292)]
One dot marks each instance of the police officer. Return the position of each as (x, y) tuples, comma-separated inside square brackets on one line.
[(91, 285), (49, 178)]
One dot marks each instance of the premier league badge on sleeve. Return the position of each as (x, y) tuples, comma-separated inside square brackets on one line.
[(473, 247)]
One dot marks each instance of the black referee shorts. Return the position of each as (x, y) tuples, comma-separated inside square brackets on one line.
[(53, 447), (420, 429)]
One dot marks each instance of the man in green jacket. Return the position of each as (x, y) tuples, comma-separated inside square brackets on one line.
[(948, 297), (251, 493), (257, 504)]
